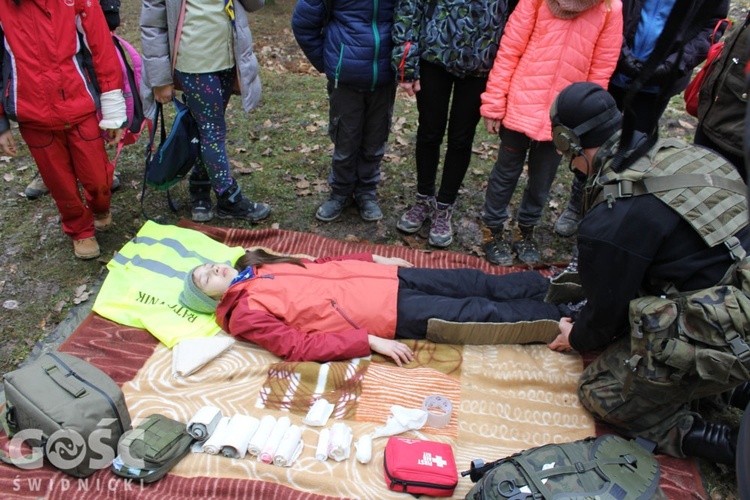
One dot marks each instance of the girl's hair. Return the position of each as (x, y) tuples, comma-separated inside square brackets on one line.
[(258, 257)]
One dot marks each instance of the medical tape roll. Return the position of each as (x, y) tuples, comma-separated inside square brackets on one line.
[(438, 410)]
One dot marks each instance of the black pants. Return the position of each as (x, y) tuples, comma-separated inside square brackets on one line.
[(468, 295)]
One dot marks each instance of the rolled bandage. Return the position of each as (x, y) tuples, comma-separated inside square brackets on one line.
[(256, 444), (319, 413), (216, 441), (274, 440), (438, 410), (340, 444), (289, 448), (238, 434), (203, 423), (321, 452), (113, 110), (364, 448)]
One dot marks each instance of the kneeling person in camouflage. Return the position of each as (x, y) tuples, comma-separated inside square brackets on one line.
[(662, 264)]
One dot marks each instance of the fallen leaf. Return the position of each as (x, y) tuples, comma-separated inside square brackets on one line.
[(267, 152), (236, 163), (240, 150), (22, 168), (6, 159), (303, 184), (79, 290), (8, 177), (352, 238), (10, 304), (59, 306)]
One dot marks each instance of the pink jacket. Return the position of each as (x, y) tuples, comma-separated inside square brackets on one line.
[(540, 55)]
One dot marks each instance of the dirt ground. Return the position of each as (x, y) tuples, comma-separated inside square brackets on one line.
[(280, 153)]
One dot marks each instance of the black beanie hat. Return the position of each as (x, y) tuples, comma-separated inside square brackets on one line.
[(583, 101)]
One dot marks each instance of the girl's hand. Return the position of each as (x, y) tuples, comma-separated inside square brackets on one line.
[(391, 261), (113, 136), (7, 143), (399, 352), (164, 93), (562, 341), (411, 88), (492, 125)]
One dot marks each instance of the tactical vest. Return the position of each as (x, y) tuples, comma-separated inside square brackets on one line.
[(689, 342)]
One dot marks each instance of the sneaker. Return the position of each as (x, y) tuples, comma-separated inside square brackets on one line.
[(102, 222), (496, 248), (369, 209), (234, 205), (411, 221), (526, 246), (332, 208), (86, 249), (36, 188), (202, 210), (441, 232), (115, 184), (567, 223)]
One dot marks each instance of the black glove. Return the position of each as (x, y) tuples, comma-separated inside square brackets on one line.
[(629, 65), (663, 74)]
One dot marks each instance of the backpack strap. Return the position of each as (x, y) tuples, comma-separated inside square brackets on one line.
[(23, 462)]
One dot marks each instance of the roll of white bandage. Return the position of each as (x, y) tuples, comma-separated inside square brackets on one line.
[(321, 452), (204, 422), (277, 433), (289, 448), (258, 441)]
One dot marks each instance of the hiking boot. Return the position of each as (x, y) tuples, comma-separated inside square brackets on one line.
[(202, 209), (332, 208), (526, 247), (441, 232), (567, 223), (86, 249), (369, 209), (102, 222), (714, 442), (234, 205), (496, 248), (36, 188), (413, 219)]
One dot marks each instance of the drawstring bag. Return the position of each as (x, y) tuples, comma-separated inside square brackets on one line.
[(692, 92)]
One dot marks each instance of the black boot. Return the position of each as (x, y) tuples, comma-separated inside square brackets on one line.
[(234, 205), (739, 397), (714, 442), (200, 200)]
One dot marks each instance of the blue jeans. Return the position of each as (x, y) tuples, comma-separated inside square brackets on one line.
[(543, 162), (359, 124), (207, 96)]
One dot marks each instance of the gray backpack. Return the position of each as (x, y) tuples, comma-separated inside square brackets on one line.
[(67, 410)]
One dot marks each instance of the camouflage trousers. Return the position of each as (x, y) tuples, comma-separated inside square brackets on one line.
[(662, 416)]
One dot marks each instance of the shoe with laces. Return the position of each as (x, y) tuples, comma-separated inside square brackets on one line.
[(86, 249), (234, 205), (202, 210), (567, 223), (495, 246), (369, 209), (441, 232), (103, 222), (526, 246), (36, 188), (413, 219)]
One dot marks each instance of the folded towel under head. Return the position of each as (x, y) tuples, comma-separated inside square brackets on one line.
[(203, 423), (340, 444), (213, 445), (238, 434), (289, 448), (256, 444), (274, 439), (321, 452)]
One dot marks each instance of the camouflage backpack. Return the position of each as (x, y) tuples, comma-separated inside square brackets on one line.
[(689, 342), (604, 467)]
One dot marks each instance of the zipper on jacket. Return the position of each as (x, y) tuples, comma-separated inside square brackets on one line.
[(344, 315), (402, 63), (376, 36), (106, 396), (338, 66)]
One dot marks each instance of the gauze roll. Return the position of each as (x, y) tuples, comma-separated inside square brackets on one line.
[(277, 433), (318, 414), (321, 452), (238, 434), (340, 443), (289, 448), (255, 446), (203, 423), (216, 441), (364, 448)]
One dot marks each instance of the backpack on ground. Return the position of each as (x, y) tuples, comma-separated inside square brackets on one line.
[(604, 467), (67, 410)]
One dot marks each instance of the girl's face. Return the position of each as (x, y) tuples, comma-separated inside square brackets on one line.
[(214, 279)]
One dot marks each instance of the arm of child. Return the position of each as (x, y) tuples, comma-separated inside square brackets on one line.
[(607, 49), (407, 22), (397, 351), (7, 143)]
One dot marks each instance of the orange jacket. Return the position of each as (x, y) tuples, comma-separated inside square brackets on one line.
[(540, 55), (321, 312)]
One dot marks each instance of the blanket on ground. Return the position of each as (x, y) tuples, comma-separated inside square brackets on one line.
[(505, 399)]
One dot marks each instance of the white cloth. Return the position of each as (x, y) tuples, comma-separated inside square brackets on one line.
[(190, 355), (277, 433), (239, 432), (256, 444), (340, 444), (215, 442), (401, 420), (319, 413), (321, 452), (203, 423), (289, 448), (114, 114), (364, 448)]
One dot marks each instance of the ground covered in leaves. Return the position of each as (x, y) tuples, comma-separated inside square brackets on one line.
[(280, 154)]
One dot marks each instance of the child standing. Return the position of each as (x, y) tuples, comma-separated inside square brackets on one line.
[(49, 92), (547, 44), (352, 46)]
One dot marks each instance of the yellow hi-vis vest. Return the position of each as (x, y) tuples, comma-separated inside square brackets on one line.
[(146, 276)]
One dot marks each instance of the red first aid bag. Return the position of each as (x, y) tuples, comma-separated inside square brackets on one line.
[(420, 467)]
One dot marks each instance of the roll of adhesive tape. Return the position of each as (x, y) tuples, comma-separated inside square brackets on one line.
[(438, 410)]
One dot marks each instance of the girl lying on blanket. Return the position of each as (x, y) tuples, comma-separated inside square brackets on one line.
[(354, 303)]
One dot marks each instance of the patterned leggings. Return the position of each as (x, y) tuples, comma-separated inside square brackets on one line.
[(207, 96)]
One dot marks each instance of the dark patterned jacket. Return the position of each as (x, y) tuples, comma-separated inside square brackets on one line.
[(460, 35)]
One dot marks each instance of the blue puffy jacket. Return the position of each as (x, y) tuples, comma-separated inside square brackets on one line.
[(354, 46)]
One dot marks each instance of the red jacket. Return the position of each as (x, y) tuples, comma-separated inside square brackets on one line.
[(322, 312), (45, 83)]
